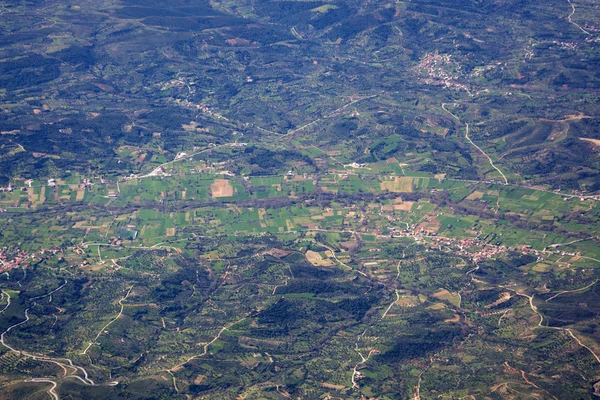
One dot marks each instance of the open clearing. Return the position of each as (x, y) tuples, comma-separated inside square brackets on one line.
[(541, 267), (313, 257), (444, 294), (400, 184), (406, 206), (476, 195), (221, 188), (332, 386), (317, 260)]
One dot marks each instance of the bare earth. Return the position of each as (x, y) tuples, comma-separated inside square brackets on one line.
[(594, 142), (221, 188)]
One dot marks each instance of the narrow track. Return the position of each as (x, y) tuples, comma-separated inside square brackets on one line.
[(110, 323), (474, 145)]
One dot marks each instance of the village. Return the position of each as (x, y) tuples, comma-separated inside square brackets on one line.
[(11, 258)]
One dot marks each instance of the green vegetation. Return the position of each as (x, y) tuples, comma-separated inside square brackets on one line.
[(299, 199)]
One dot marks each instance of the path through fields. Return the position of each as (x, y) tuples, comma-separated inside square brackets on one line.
[(474, 145), (111, 322), (571, 21)]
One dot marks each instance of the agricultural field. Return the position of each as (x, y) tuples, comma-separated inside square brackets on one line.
[(233, 268), (299, 199)]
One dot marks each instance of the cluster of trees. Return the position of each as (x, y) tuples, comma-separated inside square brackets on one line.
[(28, 71), (269, 162)]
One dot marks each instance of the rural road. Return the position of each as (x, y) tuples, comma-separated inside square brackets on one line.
[(474, 145)]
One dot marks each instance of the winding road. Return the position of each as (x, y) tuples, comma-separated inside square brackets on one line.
[(474, 145), (540, 323), (331, 114), (206, 346), (64, 363), (571, 21), (51, 391), (572, 291), (70, 370), (8, 300), (110, 323), (390, 306)]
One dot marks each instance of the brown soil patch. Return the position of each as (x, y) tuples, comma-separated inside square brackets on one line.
[(408, 301), (441, 294), (510, 370), (279, 253), (106, 88), (313, 257), (317, 260), (476, 195), (569, 117), (597, 389), (170, 231), (430, 226), (290, 226), (448, 296), (455, 319), (406, 206), (504, 297), (350, 245), (198, 380), (238, 42), (178, 368), (332, 386), (249, 364), (221, 188), (436, 306), (141, 158)]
